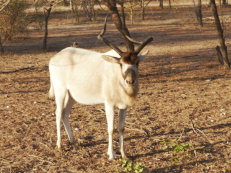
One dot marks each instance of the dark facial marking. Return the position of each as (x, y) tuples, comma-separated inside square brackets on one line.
[(129, 58), (137, 63)]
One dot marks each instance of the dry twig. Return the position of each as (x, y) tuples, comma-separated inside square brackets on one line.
[(180, 135), (196, 130)]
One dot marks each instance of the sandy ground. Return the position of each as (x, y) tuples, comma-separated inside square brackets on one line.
[(184, 100)]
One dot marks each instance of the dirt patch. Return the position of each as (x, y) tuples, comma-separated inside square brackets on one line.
[(184, 101)]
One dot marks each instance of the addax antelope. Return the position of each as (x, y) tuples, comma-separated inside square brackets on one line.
[(89, 77)]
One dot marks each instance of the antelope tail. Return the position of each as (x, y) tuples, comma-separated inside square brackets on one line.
[(51, 92)]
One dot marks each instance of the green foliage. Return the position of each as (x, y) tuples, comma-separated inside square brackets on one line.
[(129, 166), (178, 149), (13, 19), (138, 167)]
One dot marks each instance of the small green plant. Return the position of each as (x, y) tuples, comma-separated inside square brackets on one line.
[(138, 167), (178, 150), (129, 166), (180, 147), (175, 159)]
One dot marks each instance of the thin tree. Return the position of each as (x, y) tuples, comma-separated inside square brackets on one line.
[(143, 5), (1, 46), (132, 4), (88, 7), (224, 52), (169, 4), (161, 5), (198, 12), (75, 6), (2, 7), (224, 2), (47, 12)]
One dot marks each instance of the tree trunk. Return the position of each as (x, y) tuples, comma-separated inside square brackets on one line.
[(220, 34), (47, 13), (220, 3), (45, 33), (199, 13), (88, 8), (219, 55), (224, 2), (161, 3), (74, 6), (169, 3), (2, 7), (1, 46), (143, 5), (142, 9), (65, 3)]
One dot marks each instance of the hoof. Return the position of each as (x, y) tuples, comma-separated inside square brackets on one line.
[(112, 157), (75, 146), (124, 156), (59, 149)]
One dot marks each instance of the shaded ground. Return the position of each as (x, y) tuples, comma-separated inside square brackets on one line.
[(184, 97)]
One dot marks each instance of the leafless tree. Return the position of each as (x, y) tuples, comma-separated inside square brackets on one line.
[(223, 52), (47, 12), (161, 3), (143, 5), (65, 2), (89, 9), (221, 3), (1, 46), (132, 5), (224, 2), (85, 6), (169, 3), (47, 7), (3, 4), (198, 11), (75, 6)]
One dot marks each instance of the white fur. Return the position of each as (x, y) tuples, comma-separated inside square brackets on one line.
[(83, 76)]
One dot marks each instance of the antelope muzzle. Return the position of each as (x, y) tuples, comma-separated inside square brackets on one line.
[(130, 77)]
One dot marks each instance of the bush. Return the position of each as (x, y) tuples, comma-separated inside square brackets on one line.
[(13, 19)]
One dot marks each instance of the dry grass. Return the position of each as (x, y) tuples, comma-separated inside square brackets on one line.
[(180, 82)]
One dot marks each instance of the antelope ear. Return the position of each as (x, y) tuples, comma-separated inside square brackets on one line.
[(143, 55), (111, 59)]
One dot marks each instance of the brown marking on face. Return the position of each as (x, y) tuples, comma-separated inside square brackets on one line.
[(129, 58)]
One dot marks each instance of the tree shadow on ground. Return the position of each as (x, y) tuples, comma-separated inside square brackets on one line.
[(206, 147), (181, 167)]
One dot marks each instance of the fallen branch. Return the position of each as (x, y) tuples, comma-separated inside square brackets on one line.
[(192, 124), (180, 135), (4, 5), (196, 130)]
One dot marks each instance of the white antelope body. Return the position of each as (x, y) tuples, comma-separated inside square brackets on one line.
[(89, 77)]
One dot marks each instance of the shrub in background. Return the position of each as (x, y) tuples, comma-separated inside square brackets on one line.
[(13, 20)]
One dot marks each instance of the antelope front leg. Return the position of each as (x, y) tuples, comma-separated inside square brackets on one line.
[(109, 109), (122, 115)]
